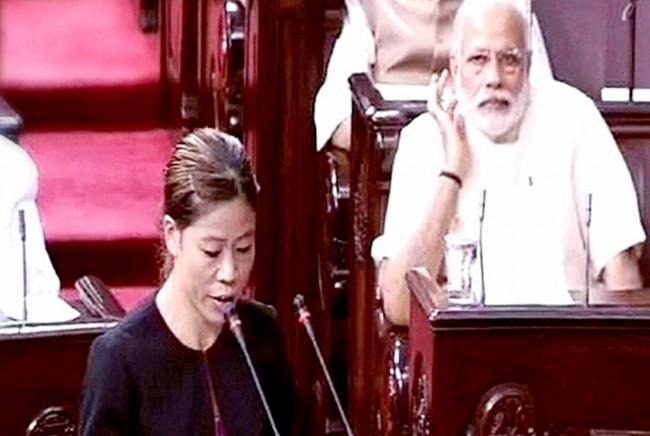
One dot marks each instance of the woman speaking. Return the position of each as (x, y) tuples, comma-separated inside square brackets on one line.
[(173, 367)]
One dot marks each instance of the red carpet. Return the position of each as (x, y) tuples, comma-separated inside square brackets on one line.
[(99, 184), (78, 61), (87, 82)]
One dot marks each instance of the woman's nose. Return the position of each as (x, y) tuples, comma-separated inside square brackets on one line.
[(226, 272)]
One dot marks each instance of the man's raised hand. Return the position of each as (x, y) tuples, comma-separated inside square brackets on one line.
[(451, 124)]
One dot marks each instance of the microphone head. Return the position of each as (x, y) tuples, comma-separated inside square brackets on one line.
[(229, 309), (299, 302), (301, 308)]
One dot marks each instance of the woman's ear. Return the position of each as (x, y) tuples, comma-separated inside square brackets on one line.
[(171, 234)]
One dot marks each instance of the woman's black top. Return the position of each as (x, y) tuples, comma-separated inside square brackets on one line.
[(141, 380)]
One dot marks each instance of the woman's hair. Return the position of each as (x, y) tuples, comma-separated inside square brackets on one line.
[(207, 166)]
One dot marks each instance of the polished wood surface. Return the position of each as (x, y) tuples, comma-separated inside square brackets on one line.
[(568, 367), (42, 367)]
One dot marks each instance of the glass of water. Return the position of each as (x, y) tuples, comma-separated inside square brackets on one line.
[(460, 258)]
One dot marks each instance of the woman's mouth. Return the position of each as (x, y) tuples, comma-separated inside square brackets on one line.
[(226, 298)]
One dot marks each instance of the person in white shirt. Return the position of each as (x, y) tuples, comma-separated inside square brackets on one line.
[(397, 43), (18, 188), (539, 151)]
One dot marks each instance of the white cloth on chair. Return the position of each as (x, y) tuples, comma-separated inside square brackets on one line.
[(18, 189)]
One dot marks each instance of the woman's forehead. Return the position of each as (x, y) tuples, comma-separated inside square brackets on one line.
[(225, 220)]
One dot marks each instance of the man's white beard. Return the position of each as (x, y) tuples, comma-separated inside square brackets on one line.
[(495, 123)]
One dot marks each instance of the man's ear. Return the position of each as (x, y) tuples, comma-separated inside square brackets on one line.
[(453, 68), (172, 235)]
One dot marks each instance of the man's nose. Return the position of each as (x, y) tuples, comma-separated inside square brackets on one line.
[(227, 269), (493, 73)]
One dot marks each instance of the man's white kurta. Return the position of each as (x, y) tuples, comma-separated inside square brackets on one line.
[(537, 191)]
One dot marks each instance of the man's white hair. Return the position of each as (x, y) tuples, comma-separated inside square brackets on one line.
[(476, 8)]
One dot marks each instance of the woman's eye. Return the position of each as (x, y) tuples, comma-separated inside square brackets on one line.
[(244, 249), (210, 253)]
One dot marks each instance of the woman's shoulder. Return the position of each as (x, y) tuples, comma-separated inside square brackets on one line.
[(256, 308), (134, 331), (259, 321)]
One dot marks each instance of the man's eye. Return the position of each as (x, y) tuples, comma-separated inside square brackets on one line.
[(511, 60), (244, 249), (477, 59)]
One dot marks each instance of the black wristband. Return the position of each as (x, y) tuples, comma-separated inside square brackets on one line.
[(453, 177)]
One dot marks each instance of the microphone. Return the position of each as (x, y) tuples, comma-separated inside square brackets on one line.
[(480, 244), (588, 263), (304, 317), (234, 323), (23, 242)]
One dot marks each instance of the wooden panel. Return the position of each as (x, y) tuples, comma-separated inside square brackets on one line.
[(636, 152), (619, 50), (576, 39), (179, 54), (585, 368), (642, 49), (282, 58), (38, 371)]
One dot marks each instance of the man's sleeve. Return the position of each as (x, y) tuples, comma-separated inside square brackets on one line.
[(105, 397), (414, 178), (353, 53), (601, 172)]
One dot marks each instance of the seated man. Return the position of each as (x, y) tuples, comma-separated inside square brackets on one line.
[(540, 153), (18, 187), (395, 42)]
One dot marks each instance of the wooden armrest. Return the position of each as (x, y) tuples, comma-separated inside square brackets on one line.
[(632, 297), (97, 298), (11, 123)]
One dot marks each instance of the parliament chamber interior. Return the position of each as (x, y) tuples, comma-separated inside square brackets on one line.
[(99, 92)]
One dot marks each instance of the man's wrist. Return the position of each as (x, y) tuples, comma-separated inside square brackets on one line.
[(451, 175)]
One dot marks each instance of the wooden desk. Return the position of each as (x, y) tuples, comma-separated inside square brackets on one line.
[(42, 366), (528, 370)]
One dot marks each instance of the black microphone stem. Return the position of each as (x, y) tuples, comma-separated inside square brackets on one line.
[(23, 242), (303, 317), (235, 326), (480, 245), (588, 264)]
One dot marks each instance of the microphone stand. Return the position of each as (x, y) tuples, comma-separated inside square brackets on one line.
[(480, 245), (23, 242), (304, 317), (588, 264), (235, 326)]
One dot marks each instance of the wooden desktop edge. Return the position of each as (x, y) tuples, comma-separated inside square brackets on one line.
[(632, 305)]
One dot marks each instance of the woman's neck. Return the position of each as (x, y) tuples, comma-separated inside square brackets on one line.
[(185, 323)]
